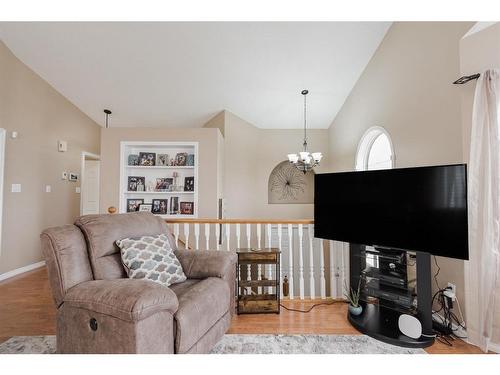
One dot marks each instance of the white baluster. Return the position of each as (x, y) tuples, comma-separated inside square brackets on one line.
[(344, 262), (269, 267), (217, 235), (197, 236), (333, 281), (207, 235), (176, 234), (238, 243), (238, 235), (228, 236), (322, 269), (312, 288), (186, 234), (290, 259), (280, 236), (249, 236), (301, 262), (259, 266), (249, 267)]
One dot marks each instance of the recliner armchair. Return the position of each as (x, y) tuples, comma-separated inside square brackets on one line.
[(100, 310)]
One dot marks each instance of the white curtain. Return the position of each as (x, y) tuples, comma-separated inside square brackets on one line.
[(482, 272)]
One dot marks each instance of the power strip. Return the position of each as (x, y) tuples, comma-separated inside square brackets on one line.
[(457, 330)]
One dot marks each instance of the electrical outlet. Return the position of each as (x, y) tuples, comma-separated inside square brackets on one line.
[(453, 288)]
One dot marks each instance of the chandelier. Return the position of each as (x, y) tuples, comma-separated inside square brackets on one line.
[(305, 161)]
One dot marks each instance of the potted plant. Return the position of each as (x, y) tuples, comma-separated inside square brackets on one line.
[(353, 297)]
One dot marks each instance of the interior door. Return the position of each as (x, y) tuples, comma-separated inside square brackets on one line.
[(90, 188)]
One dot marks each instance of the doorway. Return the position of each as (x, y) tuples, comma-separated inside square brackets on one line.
[(90, 181), (2, 164)]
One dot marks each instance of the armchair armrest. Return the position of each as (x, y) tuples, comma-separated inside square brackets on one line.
[(126, 299), (207, 263)]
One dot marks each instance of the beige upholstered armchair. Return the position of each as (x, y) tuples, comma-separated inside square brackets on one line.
[(100, 310)]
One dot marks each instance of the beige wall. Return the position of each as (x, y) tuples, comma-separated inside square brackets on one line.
[(209, 153), (407, 89), (478, 52), (41, 116), (250, 156)]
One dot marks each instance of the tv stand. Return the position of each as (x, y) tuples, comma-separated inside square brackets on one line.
[(393, 282)]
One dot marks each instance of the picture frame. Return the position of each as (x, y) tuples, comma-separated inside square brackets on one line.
[(190, 160), (163, 183), (73, 177), (162, 160), (147, 159), (160, 206), (133, 204), (187, 208), (189, 183), (133, 160), (181, 159), (136, 183), (174, 205), (145, 207)]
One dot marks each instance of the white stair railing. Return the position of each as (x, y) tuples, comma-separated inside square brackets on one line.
[(302, 255)]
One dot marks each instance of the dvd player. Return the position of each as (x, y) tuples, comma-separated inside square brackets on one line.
[(372, 288)]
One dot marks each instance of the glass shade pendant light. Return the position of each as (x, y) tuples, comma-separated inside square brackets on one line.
[(304, 160)]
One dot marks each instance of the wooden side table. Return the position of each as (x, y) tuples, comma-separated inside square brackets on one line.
[(255, 302)]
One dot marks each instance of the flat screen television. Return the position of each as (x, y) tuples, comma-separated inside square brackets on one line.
[(419, 209)]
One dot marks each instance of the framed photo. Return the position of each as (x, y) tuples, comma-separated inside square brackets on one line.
[(187, 208), (134, 204), (73, 177), (174, 205), (147, 159), (133, 159), (136, 183), (160, 206), (161, 160), (189, 184), (163, 184), (190, 160), (145, 207), (181, 159)]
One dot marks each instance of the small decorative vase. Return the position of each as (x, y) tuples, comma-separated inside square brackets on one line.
[(355, 310)]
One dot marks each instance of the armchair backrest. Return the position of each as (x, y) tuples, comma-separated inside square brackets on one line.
[(66, 258), (101, 232)]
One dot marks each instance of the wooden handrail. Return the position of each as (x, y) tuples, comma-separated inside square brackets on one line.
[(239, 221)]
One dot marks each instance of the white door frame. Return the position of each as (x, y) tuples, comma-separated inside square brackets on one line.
[(2, 168), (91, 156)]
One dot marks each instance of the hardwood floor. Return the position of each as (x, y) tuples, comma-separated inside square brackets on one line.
[(27, 309)]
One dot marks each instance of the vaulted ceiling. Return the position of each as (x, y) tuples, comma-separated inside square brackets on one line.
[(181, 74)]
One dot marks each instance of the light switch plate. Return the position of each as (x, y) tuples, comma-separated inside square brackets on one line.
[(62, 146), (78, 190), (48, 188), (16, 188)]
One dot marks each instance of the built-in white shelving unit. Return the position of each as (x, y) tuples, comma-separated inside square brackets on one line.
[(156, 184)]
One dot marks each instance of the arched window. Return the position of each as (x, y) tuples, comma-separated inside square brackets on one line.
[(375, 150)]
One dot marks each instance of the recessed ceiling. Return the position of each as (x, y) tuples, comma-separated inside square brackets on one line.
[(181, 74)]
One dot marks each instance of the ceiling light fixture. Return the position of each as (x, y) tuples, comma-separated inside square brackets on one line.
[(305, 161)]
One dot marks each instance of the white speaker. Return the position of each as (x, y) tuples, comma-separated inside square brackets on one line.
[(410, 326)]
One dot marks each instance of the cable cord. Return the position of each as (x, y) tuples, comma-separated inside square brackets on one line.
[(313, 306), (437, 273)]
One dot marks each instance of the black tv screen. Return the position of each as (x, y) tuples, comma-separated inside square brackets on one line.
[(419, 209)]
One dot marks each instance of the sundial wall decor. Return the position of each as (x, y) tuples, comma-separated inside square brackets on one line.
[(289, 185)]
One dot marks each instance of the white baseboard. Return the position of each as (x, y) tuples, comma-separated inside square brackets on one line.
[(494, 348), (18, 271)]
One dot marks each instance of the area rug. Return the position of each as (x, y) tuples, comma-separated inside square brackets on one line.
[(246, 344)]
